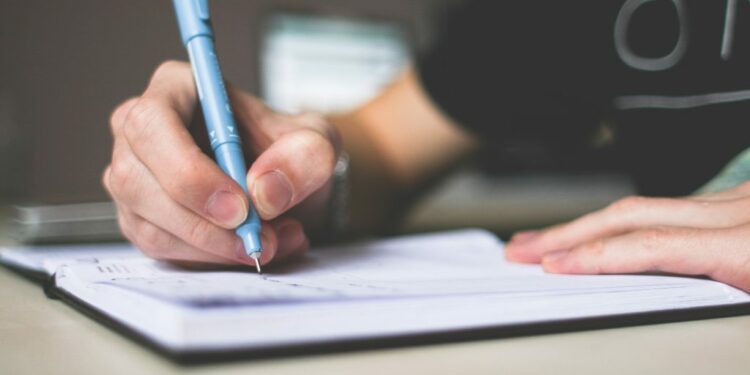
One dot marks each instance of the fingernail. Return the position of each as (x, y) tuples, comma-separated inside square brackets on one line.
[(227, 208), (273, 194), (522, 237)]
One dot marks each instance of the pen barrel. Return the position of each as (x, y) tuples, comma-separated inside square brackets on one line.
[(220, 124), (195, 28), (212, 92), (229, 156), (222, 129), (217, 111)]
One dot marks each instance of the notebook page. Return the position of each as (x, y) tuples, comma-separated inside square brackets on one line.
[(447, 281), (381, 269), (47, 258), (437, 265)]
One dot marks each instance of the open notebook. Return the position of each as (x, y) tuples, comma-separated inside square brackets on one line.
[(426, 288)]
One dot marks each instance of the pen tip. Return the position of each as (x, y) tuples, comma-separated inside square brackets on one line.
[(256, 258)]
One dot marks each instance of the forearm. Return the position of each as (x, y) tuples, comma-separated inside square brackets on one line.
[(397, 143)]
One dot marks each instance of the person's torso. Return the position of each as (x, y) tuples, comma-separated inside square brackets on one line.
[(669, 73)]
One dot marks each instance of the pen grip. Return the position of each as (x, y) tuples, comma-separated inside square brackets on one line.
[(229, 156)]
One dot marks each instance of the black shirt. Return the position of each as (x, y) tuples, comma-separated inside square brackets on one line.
[(673, 76)]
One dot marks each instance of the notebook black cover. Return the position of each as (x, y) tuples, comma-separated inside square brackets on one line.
[(483, 333)]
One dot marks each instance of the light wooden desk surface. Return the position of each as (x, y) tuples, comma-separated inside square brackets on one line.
[(42, 336)]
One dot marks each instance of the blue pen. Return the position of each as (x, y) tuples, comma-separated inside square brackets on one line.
[(197, 35)]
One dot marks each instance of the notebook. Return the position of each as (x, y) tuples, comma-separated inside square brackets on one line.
[(401, 291)]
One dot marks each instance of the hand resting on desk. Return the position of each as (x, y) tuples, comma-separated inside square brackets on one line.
[(699, 235), (174, 202)]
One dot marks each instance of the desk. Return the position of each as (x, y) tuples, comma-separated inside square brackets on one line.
[(42, 336)]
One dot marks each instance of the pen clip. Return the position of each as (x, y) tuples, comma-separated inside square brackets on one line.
[(201, 6), (193, 18)]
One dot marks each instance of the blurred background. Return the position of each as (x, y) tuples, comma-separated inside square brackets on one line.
[(64, 65)]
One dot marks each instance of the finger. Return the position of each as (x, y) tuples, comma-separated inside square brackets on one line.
[(715, 253), (258, 123), (293, 167), (118, 116), (624, 216), (105, 179), (667, 249), (292, 241), (116, 121), (157, 243), (150, 203), (172, 83), (134, 187), (296, 154), (162, 245), (155, 132), (263, 125)]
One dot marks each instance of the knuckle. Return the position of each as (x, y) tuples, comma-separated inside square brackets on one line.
[(141, 118), (192, 182), (168, 67), (627, 204), (589, 256), (121, 174), (152, 240), (119, 115), (316, 148), (627, 211), (312, 120), (265, 118), (596, 248), (555, 232), (655, 239), (319, 123), (195, 232), (115, 122), (105, 178)]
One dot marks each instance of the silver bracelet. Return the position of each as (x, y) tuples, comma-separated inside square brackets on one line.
[(337, 212)]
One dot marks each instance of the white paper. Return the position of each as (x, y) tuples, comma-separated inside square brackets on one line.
[(48, 258), (440, 282)]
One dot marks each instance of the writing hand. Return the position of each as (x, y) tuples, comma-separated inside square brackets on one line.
[(173, 201)]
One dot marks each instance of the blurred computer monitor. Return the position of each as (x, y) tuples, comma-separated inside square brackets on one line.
[(328, 64)]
